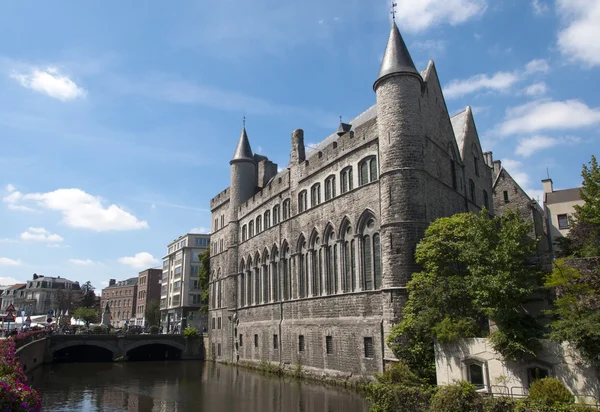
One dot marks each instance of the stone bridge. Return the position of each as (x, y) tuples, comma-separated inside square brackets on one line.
[(120, 346)]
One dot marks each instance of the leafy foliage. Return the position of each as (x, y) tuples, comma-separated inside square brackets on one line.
[(15, 393), (204, 278), (577, 309), (87, 315), (190, 332), (585, 233), (461, 397), (89, 296), (152, 312), (475, 268), (550, 391)]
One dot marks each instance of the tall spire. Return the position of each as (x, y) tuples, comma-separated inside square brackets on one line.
[(243, 150), (396, 58)]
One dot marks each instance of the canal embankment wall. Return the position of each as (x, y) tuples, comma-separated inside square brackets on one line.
[(33, 354)]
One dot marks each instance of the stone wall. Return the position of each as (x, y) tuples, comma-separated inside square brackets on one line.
[(32, 354)]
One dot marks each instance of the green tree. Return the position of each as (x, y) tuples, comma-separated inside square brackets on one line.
[(585, 232), (87, 315), (204, 278), (152, 312), (475, 269), (89, 296), (576, 308)]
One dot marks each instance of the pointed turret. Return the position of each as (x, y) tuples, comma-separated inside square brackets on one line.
[(243, 152), (396, 58)]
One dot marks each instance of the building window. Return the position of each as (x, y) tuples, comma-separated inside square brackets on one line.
[(315, 195), (300, 343), (241, 340), (476, 165), (453, 171), (371, 257), (369, 348), (506, 196), (302, 201), (486, 201), (256, 341), (346, 178), (222, 224), (276, 214), (275, 342), (330, 187), (329, 345), (367, 171), (472, 190), (216, 224), (267, 219), (219, 323), (213, 323), (286, 209), (219, 349), (258, 225), (533, 374), (251, 229), (244, 233), (475, 375), (563, 221)]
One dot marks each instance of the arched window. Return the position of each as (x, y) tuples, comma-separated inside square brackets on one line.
[(257, 262), (275, 273), (258, 225), (244, 233), (367, 170), (249, 282), (251, 229), (302, 201), (331, 265), (472, 190), (371, 253), (346, 179), (286, 271), (330, 187), (315, 195), (242, 282), (266, 284), (302, 268), (275, 214), (316, 270), (349, 282), (267, 219), (486, 201), (286, 209)]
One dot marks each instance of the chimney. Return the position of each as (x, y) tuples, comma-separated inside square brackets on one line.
[(497, 167), (266, 171), (489, 160), (112, 282), (548, 186), (298, 154)]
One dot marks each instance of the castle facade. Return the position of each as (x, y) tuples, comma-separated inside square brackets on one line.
[(310, 264)]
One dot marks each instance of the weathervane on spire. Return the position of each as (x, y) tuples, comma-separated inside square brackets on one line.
[(393, 12), (244, 121), (340, 118)]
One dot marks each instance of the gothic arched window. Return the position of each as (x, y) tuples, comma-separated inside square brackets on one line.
[(302, 268), (349, 252), (242, 283), (315, 195), (258, 224), (244, 233), (316, 272), (330, 187), (346, 179), (275, 214), (331, 264), (367, 170), (286, 271), (472, 190), (251, 229), (266, 284), (286, 209), (371, 253), (267, 219), (302, 201)]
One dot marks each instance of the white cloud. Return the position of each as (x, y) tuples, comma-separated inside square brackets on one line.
[(10, 188), (530, 145), (537, 66), (80, 210), (579, 38), (539, 6), (51, 82), (430, 46), (548, 115), (40, 234), (416, 16), (500, 81), (201, 230), (82, 262), (9, 262), (58, 246), (536, 89), (6, 281), (104, 283), (142, 260)]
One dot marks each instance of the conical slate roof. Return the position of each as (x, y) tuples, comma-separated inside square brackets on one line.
[(243, 150), (396, 58)]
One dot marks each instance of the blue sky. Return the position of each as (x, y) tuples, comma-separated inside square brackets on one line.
[(118, 119)]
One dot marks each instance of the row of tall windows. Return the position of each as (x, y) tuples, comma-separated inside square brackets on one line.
[(263, 222)]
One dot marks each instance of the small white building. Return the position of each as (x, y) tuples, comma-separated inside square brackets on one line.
[(559, 206), (474, 360)]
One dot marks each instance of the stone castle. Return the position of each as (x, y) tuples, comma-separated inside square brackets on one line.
[(310, 265)]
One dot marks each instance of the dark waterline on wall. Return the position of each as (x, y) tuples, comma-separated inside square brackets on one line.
[(182, 386)]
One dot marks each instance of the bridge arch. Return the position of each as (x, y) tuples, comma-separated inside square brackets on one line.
[(110, 346), (134, 345)]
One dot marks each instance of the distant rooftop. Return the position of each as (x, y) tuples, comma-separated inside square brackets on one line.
[(561, 196)]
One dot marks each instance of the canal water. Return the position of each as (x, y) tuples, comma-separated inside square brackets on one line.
[(181, 386)]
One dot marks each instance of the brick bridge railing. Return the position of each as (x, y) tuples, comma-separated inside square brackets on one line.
[(121, 345)]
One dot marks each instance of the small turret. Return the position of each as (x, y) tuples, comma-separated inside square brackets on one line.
[(244, 179), (243, 152), (396, 59), (298, 154)]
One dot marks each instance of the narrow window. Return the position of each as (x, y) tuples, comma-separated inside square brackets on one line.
[(301, 343), (376, 262), (241, 340), (563, 221), (364, 173), (219, 349), (369, 348), (242, 289), (367, 268), (347, 268), (506, 196), (329, 345), (302, 201), (276, 214), (251, 228), (373, 167), (315, 195), (213, 323), (256, 341), (476, 165), (275, 342), (475, 375), (267, 219), (472, 190), (453, 171), (286, 209), (353, 265), (258, 225), (219, 323), (533, 374), (486, 200)]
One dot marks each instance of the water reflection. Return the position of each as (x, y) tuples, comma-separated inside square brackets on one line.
[(182, 386)]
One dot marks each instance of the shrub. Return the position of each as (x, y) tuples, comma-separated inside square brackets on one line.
[(154, 330), (99, 330), (22, 339), (527, 405), (15, 393), (502, 404), (190, 332), (387, 397), (550, 391), (461, 397), (399, 373)]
